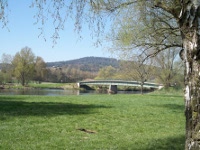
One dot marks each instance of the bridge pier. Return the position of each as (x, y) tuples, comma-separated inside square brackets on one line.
[(112, 89)]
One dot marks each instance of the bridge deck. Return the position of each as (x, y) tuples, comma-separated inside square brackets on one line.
[(119, 82)]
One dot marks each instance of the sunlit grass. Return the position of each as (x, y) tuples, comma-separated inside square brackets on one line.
[(53, 85), (135, 122), (43, 85)]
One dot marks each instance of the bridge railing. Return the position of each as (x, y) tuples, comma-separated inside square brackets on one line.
[(119, 82)]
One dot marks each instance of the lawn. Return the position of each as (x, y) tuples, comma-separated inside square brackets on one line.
[(54, 85), (90, 122), (43, 85)]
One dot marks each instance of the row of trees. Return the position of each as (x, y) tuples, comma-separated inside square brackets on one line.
[(166, 68), (24, 66), (67, 74)]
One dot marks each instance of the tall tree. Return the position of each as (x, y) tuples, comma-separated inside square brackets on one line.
[(40, 69), (179, 69), (165, 63), (189, 22), (106, 73), (23, 63), (183, 13), (6, 67), (138, 69)]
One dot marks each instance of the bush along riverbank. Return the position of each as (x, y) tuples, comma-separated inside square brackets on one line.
[(45, 85)]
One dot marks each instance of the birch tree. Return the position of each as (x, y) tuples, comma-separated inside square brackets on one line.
[(189, 22), (183, 13)]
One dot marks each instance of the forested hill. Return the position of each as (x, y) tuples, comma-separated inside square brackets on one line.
[(86, 63)]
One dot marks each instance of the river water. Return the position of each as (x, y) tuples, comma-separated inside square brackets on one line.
[(56, 92)]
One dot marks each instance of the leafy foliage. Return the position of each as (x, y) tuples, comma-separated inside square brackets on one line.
[(40, 70), (108, 72), (23, 63)]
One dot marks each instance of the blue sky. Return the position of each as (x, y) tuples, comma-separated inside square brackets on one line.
[(21, 32)]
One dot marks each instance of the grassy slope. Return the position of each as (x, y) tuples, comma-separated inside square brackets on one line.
[(132, 122), (45, 85)]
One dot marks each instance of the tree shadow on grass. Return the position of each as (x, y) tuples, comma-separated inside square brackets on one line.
[(172, 106), (12, 106), (178, 108), (171, 143), (167, 95)]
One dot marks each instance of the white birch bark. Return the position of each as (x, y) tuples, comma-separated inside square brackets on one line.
[(190, 32)]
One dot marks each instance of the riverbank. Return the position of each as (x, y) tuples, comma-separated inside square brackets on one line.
[(74, 87), (67, 86), (43, 85), (151, 121)]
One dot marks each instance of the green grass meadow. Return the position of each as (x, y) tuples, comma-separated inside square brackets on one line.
[(119, 122), (43, 85)]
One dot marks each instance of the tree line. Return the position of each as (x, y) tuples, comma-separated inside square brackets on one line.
[(24, 67), (166, 69)]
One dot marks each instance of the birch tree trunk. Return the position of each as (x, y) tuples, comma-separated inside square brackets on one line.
[(190, 31)]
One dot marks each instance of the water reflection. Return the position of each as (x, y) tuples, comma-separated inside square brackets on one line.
[(56, 92)]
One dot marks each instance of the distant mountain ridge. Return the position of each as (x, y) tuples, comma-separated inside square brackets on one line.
[(87, 63)]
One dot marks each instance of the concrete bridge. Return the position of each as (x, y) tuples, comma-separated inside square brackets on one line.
[(113, 84)]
